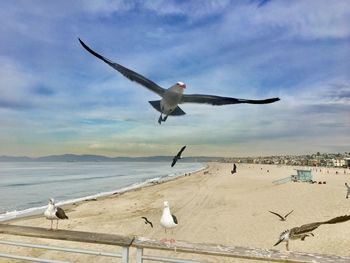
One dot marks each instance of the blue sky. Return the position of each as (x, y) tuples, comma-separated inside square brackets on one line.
[(56, 98)]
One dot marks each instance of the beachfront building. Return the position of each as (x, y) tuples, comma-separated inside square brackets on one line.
[(347, 162), (341, 162)]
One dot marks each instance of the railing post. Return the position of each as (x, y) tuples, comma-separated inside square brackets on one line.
[(139, 255), (125, 254)]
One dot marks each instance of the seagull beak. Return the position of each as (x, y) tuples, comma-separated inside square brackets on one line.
[(279, 241)]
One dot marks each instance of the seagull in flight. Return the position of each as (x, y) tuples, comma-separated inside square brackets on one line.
[(147, 221), (306, 230), (172, 96), (234, 169), (178, 156), (282, 218)]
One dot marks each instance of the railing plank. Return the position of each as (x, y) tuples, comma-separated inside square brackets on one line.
[(68, 235), (41, 260), (180, 246), (239, 252)]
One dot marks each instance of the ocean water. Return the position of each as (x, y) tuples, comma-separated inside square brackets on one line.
[(25, 187)]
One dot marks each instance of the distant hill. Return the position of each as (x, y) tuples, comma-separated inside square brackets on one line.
[(101, 158)]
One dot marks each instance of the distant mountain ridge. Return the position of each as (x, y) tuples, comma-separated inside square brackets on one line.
[(101, 158)]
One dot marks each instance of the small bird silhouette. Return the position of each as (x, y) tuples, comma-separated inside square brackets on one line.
[(178, 156), (147, 221), (348, 188), (234, 170), (282, 218)]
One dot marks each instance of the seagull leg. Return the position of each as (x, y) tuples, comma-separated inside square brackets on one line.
[(164, 119), (51, 225), (160, 119), (164, 240), (56, 224), (287, 245)]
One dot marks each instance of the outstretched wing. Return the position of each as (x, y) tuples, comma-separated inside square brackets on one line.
[(338, 219), (174, 161), (132, 75), (277, 215), (288, 214), (305, 228), (218, 100), (310, 227), (180, 152)]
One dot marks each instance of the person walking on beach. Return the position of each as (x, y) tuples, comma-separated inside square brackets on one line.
[(348, 193)]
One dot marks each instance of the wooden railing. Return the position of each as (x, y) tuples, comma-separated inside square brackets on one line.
[(142, 243)]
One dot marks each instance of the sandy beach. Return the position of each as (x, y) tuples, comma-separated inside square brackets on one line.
[(214, 207)]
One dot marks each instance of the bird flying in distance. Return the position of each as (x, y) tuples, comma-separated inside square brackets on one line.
[(282, 218), (178, 156), (306, 230), (171, 97), (147, 221), (234, 170)]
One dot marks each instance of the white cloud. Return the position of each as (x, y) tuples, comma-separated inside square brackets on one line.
[(304, 19)]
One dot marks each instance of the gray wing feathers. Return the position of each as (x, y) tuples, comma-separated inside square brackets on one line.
[(310, 227), (175, 219), (277, 215), (131, 75), (60, 213), (218, 100), (305, 228), (288, 214), (338, 219)]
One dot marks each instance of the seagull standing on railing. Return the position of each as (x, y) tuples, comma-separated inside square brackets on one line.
[(173, 96), (54, 212), (168, 220), (306, 230)]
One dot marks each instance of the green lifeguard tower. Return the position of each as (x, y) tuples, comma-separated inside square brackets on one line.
[(304, 175)]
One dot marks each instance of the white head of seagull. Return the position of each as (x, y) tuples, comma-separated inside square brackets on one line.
[(181, 85)]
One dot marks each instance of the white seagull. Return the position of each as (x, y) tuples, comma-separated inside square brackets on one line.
[(168, 220), (54, 212), (172, 96)]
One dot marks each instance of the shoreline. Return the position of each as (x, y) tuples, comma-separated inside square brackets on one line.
[(34, 212)]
